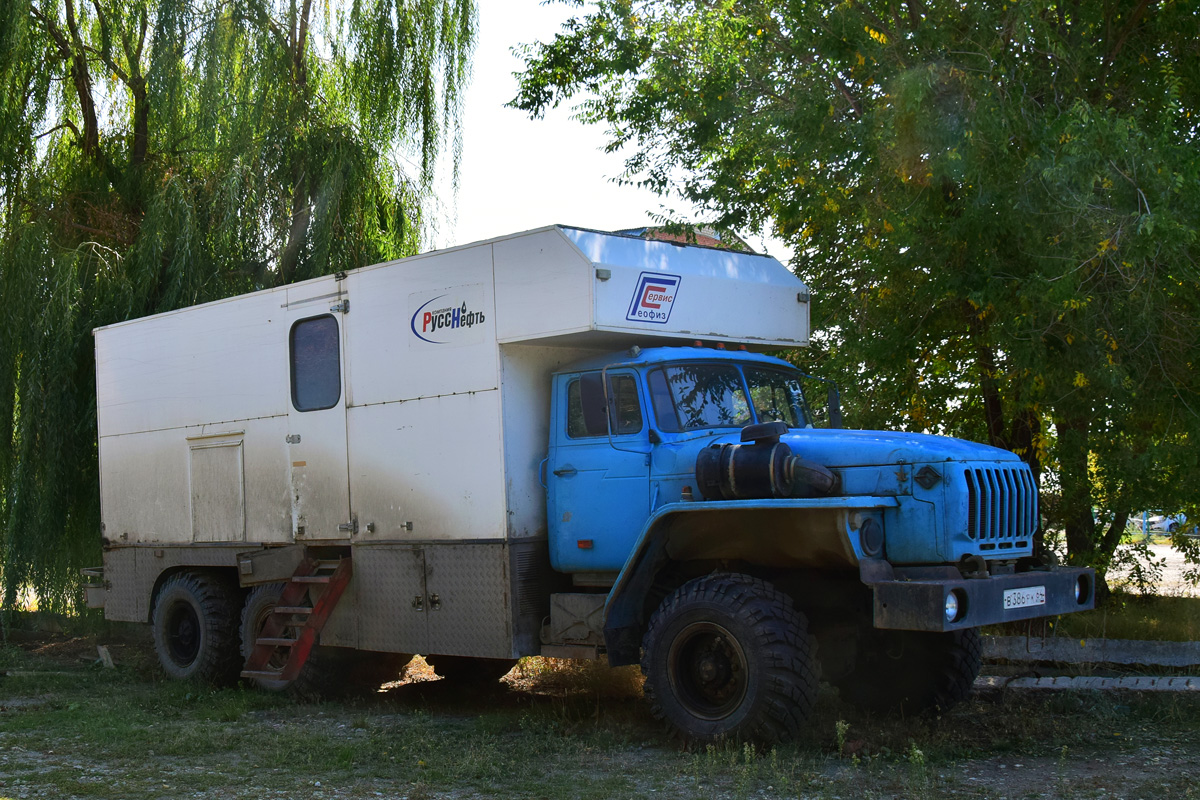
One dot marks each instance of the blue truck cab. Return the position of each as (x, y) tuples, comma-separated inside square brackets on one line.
[(737, 551)]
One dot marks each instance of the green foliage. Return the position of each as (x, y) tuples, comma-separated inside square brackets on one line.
[(996, 204), (160, 153), (1122, 615)]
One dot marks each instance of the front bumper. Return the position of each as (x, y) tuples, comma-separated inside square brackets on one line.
[(920, 605)]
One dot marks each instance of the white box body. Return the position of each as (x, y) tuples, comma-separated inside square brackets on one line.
[(439, 431)]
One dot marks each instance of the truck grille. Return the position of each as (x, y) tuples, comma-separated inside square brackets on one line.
[(1001, 507)]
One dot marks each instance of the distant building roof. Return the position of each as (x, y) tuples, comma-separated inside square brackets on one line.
[(704, 236)]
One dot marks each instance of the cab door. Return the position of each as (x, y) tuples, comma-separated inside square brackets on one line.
[(598, 475), (316, 440)]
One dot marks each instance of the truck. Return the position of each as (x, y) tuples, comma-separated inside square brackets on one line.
[(563, 442)]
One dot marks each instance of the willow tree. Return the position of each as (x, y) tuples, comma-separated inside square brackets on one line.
[(996, 203), (160, 153)]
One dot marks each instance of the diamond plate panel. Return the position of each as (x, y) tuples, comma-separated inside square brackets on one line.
[(387, 580), (132, 573), (128, 599), (470, 600)]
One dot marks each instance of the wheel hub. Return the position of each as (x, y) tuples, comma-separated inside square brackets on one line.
[(708, 670), (183, 639), (713, 669)]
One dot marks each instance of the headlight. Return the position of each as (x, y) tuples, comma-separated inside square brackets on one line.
[(956, 605), (951, 607)]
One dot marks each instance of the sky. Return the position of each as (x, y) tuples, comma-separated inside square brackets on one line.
[(516, 173)]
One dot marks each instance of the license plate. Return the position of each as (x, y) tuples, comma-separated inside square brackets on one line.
[(1024, 598)]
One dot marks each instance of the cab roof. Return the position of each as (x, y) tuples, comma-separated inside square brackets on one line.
[(664, 355)]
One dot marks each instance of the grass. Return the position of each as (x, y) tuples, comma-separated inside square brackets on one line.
[(1121, 616), (561, 730)]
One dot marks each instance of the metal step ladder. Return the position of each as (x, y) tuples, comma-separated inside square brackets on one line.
[(303, 608)]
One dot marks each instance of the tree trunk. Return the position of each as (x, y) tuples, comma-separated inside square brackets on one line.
[(289, 261), (1112, 537), (1026, 428), (83, 86), (1076, 490), (141, 123), (985, 363)]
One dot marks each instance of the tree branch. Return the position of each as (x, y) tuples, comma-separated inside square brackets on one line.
[(846, 93), (66, 124), (1134, 20), (52, 28), (916, 10), (105, 53), (875, 21), (75, 52), (299, 68)]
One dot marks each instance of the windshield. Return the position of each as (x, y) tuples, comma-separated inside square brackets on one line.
[(777, 395), (692, 396)]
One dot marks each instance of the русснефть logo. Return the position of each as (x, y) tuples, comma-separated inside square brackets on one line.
[(654, 298), (452, 316)]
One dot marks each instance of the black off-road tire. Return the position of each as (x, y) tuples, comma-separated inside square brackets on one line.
[(474, 672), (319, 678), (727, 656), (195, 625), (913, 672)]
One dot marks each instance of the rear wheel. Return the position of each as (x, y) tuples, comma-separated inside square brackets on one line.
[(913, 671), (727, 656), (319, 677), (328, 672), (195, 627)]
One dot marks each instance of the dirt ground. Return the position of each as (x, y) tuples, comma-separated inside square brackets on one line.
[(556, 729), (550, 730)]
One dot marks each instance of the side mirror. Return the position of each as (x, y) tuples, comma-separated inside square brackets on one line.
[(835, 407), (591, 397)]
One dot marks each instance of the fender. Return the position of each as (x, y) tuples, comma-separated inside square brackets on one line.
[(819, 532)]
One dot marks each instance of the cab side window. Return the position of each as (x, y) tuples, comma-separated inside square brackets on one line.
[(623, 390)]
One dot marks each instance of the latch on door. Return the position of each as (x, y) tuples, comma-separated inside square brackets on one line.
[(293, 438), (351, 526)]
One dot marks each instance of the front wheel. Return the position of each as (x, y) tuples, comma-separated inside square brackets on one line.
[(727, 656)]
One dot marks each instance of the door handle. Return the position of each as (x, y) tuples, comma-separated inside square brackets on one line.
[(564, 471)]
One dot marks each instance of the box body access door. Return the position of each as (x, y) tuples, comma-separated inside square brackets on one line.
[(316, 440)]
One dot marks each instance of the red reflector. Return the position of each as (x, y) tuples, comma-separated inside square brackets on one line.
[(584, 544)]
